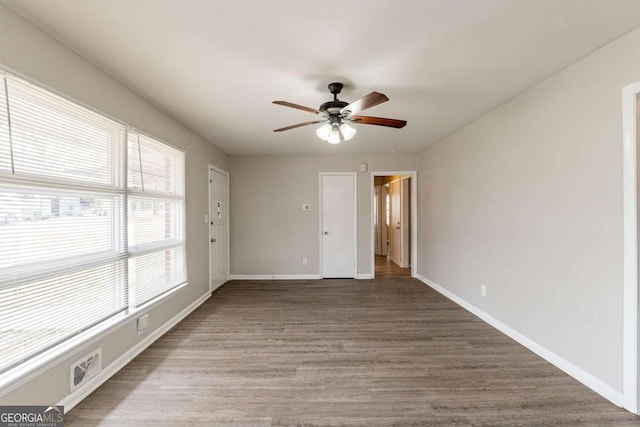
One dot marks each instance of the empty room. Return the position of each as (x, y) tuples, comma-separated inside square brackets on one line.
[(293, 213)]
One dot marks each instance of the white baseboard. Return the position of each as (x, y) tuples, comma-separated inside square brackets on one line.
[(76, 397), (275, 276), (218, 285), (288, 276), (579, 374)]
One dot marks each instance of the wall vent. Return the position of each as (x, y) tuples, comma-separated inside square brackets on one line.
[(85, 369)]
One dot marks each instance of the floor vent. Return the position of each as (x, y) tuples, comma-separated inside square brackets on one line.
[(85, 369)]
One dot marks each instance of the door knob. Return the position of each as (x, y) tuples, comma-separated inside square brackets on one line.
[(326, 232), (213, 240)]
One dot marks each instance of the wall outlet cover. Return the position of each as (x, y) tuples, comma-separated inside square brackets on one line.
[(142, 323)]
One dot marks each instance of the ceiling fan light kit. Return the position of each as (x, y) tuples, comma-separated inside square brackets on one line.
[(335, 133), (336, 114)]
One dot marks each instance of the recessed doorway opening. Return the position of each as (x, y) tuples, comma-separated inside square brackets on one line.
[(394, 224)]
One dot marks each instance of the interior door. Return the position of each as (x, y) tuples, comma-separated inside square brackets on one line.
[(338, 226), (383, 226), (394, 226), (218, 229)]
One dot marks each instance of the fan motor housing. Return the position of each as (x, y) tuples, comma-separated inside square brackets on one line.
[(333, 107)]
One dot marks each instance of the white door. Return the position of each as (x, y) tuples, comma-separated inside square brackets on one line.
[(338, 225), (384, 226), (218, 227), (405, 221), (380, 219), (394, 227)]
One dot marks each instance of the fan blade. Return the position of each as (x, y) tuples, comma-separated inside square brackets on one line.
[(298, 125), (380, 121), (367, 101), (296, 106)]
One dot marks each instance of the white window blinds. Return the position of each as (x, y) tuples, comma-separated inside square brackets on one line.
[(57, 139), (78, 245), (156, 218), (5, 145)]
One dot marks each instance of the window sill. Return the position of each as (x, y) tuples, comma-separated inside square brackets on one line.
[(35, 366)]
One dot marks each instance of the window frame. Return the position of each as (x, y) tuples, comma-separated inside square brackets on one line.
[(34, 365), (178, 196)]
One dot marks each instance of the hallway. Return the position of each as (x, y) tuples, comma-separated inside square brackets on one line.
[(387, 269)]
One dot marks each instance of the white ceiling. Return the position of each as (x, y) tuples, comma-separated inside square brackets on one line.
[(216, 65)]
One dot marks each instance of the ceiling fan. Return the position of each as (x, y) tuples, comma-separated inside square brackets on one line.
[(336, 114)]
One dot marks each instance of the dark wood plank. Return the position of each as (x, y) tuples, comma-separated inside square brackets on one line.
[(298, 125), (382, 352), (364, 102), (379, 121)]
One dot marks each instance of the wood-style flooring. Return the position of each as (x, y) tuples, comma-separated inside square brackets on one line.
[(387, 269), (384, 352)]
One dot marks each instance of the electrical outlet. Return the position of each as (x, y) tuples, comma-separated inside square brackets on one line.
[(305, 261), (143, 322), (483, 290)]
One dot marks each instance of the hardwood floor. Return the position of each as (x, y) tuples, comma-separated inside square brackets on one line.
[(387, 269), (384, 352)]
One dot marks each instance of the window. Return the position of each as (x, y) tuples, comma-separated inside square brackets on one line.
[(83, 238), (155, 218)]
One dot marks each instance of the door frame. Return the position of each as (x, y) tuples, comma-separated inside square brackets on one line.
[(210, 215), (630, 339), (355, 220), (414, 218), (405, 212), (380, 240)]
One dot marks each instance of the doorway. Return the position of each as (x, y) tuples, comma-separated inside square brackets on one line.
[(218, 227), (631, 221), (394, 224), (338, 225)]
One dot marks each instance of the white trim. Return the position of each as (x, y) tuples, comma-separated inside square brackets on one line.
[(574, 371), (630, 372), (76, 397), (403, 246), (364, 276), (355, 219), (414, 218), (275, 277), (225, 173)]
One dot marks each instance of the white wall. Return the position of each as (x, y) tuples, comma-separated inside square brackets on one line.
[(29, 51), (270, 233), (528, 200)]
